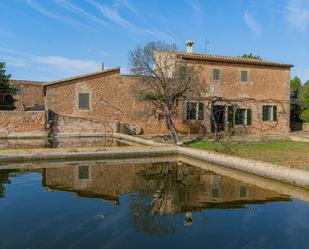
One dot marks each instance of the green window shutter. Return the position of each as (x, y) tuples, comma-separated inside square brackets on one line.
[(249, 117), (188, 110), (274, 113), (216, 74), (230, 115), (244, 76), (264, 114), (83, 100), (200, 111)]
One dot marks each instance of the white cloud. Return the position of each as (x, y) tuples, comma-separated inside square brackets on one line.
[(80, 11), (47, 67), (297, 14), (112, 14), (251, 23), (195, 6), (57, 17)]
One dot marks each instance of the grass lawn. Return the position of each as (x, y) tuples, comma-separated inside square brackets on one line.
[(283, 152)]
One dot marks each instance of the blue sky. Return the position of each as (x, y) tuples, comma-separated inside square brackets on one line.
[(52, 39)]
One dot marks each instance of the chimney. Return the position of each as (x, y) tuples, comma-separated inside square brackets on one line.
[(189, 45), (102, 66)]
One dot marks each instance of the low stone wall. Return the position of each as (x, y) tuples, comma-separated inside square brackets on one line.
[(78, 126), (306, 127), (22, 123)]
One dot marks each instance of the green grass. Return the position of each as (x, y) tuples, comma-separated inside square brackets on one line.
[(283, 152)]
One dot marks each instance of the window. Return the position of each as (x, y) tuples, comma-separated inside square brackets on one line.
[(182, 72), (216, 74), (83, 172), (215, 193), (269, 113), (83, 101), (243, 192), (195, 111), (244, 76), (242, 116)]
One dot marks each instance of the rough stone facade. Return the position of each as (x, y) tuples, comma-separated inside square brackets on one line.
[(265, 86), (112, 100), (21, 123), (30, 96), (113, 97)]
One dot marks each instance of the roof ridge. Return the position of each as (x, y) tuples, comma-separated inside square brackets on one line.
[(228, 58), (83, 76)]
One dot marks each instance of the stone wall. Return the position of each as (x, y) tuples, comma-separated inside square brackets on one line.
[(306, 127), (30, 95), (78, 126), (22, 123), (113, 98)]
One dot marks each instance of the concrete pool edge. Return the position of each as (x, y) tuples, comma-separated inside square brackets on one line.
[(272, 171)]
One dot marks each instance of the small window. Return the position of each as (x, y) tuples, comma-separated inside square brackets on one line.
[(195, 111), (83, 101), (243, 192), (244, 76), (269, 113), (216, 74), (215, 193), (83, 172)]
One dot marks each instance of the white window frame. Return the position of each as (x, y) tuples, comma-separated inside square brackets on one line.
[(197, 110)]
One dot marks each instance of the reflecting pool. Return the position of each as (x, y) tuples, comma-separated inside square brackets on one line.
[(143, 204)]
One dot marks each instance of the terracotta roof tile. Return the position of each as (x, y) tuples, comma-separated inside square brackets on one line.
[(231, 59)]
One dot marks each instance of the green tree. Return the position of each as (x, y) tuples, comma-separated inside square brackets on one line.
[(295, 86), (7, 90), (251, 56), (304, 102)]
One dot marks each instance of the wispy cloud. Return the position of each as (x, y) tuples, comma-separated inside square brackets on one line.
[(58, 17), (80, 11), (52, 66), (112, 14), (195, 6), (128, 5), (252, 23), (297, 14)]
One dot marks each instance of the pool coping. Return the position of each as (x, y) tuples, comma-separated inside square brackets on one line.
[(268, 170)]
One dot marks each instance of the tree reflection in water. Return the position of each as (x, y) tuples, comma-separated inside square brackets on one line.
[(163, 190)]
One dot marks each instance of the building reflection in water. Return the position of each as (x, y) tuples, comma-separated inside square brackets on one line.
[(157, 191)]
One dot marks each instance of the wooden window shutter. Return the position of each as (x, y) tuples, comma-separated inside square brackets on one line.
[(249, 117), (200, 111), (230, 115), (274, 113), (264, 114), (83, 101)]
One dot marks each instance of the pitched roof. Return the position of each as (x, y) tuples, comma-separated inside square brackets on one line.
[(231, 59), (83, 76), (28, 82)]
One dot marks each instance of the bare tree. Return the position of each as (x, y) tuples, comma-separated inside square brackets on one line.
[(163, 82)]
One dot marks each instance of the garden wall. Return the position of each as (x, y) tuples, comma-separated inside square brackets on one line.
[(306, 127), (22, 123)]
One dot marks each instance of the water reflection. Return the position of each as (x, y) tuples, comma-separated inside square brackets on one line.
[(137, 204), (157, 190), (60, 142)]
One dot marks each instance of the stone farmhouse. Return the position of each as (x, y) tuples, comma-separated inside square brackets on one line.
[(251, 96)]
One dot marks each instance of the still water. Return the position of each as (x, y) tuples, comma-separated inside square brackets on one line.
[(101, 204)]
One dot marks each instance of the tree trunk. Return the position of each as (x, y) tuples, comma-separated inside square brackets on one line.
[(170, 126)]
